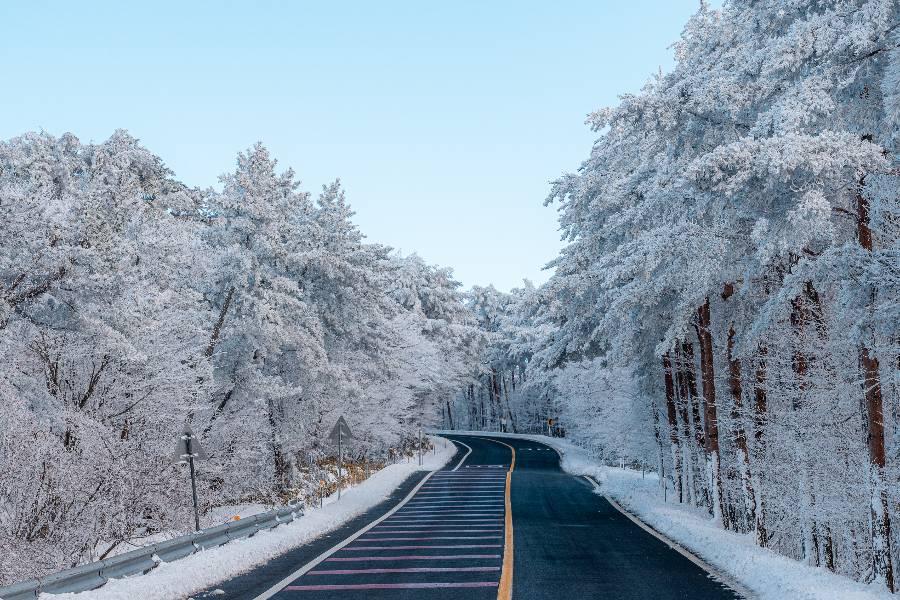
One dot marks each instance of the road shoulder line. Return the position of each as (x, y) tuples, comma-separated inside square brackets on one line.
[(713, 572), (465, 456)]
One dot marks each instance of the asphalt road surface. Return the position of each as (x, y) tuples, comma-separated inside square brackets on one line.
[(478, 530)]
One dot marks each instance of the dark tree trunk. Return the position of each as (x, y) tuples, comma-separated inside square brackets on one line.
[(711, 417), (672, 418), (760, 406), (740, 436), (217, 328), (880, 516)]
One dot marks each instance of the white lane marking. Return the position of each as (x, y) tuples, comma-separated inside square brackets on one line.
[(464, 457), (314, 562), (713, 572)]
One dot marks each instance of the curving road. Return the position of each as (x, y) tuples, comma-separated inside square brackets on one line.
[(501, 520)]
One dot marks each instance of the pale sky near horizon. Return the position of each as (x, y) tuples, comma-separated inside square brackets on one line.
[(445, 122)]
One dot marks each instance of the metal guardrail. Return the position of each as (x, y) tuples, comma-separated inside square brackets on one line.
[(140, 561)]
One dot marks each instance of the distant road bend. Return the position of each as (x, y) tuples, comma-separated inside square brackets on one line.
[(501, 520)]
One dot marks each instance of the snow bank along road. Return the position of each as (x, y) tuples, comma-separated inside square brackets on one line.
[(501, 520)]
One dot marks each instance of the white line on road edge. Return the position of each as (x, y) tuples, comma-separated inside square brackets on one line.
[(464, 457), (713, 572), (308, 566)]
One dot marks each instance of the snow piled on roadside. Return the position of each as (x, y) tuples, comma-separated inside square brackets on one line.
[(767, 575), (199, 571)]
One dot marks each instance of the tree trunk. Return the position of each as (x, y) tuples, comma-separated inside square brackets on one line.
[(687, 452), (217, 328), (740, 436), (711, 418), (673, 425), (800, 315), (701, 489), (760, 406), (880, 521), (279, 459)]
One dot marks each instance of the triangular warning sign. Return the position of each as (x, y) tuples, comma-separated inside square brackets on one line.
[(341, 430)]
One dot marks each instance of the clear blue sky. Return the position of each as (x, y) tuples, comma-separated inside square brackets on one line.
[(445, 121)]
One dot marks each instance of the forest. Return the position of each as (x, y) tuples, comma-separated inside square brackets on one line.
[(725, 311), (131, 304)]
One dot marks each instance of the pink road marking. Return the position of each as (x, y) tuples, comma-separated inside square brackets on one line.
[(442, 530), (458, 512), (450, 501), (431, 531), (450, 509), (460, 482), (466, 546), (406, 570), (461, 490), (433, 537), (461, 522), (420, 529), (457, 495), (456, 489), (391, 586), (453, 482), (470, 481), (449, 520), (456, 503), (437, 528), (413, 557), (457, 506)]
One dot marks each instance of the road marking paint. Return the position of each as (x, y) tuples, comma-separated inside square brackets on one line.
[(713, 572), (460, 504), (435, 495), (466, 546), (476, 486), (412, 557), (451, 519), (455, 513), (463, 521), (473, 527), (308, 566), (457, 502), (405, 570), (436, 537), (442, 530), (449, 510), (389, 586), (450, 475), (464, 456)]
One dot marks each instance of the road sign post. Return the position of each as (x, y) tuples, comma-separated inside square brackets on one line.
[(340, 431), (188, 449)]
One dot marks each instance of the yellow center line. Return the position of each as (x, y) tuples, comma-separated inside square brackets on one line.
[(504, 591)]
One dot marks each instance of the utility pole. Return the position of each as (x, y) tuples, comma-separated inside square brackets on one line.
[(420, 446), (193, 485), (187, 448)]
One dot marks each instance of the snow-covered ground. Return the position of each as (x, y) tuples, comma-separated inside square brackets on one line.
[(181, 578), (765, 574)]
